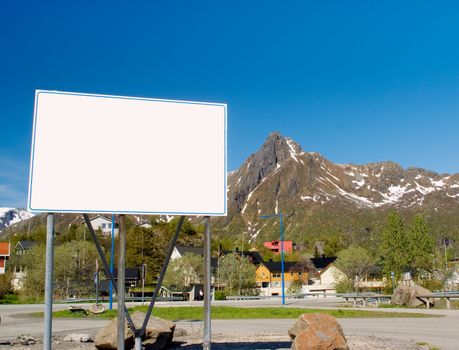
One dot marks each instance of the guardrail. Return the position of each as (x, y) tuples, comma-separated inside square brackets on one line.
[(364, 297), (438, 295), (103, 301), (288, 296)]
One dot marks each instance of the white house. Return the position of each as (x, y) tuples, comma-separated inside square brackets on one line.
[(180, 251), (103, 224), (326, 280)]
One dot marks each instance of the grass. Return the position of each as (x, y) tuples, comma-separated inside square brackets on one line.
[(226, 312), (12, 298), (430, 347)]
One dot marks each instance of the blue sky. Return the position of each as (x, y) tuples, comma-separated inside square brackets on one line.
[(358, 81)]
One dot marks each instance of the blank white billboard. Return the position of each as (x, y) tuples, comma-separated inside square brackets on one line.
[(111, 154)]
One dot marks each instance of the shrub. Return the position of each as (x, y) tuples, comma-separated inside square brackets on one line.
[(220, 295), (5, 284), (344, 286)]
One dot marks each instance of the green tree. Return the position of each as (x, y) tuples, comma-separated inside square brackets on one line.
[(75, 269), (184, 271), (146, 246), (422, 247), (395, 247), (354, 262), (34, 265), (73, 273), (238, 275)]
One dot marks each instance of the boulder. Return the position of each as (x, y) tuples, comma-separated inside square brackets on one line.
[(407, 296), (79, 338), (317, 332), (158, 333)]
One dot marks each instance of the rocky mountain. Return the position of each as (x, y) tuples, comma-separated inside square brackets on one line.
[(11, 216), (318, 196), (340, 204)]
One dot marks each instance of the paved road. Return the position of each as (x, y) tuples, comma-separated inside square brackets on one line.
[(442, 331)]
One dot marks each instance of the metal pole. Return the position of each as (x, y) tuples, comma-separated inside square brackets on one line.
[(144, 270), (282, 256), (97, 288), (162, 273), (121, 281), (207, 277), (49, 282), (106, 267), (112, 261)]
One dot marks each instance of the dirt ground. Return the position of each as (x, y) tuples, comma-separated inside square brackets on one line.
[(223, 342)]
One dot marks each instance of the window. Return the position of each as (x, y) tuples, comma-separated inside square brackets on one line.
[(277, 275), (104, 226)]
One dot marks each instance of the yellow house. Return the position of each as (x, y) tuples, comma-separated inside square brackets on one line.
[(269, 276)]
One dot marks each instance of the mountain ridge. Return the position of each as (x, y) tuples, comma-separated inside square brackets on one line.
[(320, 198), (281, 175)]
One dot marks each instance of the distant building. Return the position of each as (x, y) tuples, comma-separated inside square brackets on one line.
[(22, 247), (328, 275), (252, 256), (180, 251), (4, 255), (275, 246), (269, 277), (103, 224)]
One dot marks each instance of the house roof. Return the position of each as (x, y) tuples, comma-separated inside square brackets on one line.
[(276, 266), (190, 250), (254, 257), (96, 217), (321, 263), (25, 245), (4, 248)]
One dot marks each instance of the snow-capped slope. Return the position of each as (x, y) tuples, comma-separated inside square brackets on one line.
[(11, 216), (281, 176)]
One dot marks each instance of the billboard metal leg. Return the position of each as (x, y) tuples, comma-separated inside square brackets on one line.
[(107, 270), (49, 282), (161, 275), (121, 281), (207, 281)]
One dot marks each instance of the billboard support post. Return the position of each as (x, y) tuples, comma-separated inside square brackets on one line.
[(49, 282), (207, 288), (107, 270), (112, 261), (121, 281)]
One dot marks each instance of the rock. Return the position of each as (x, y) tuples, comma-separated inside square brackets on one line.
[(317, 332), (158, 333), (180, 332), (82, 338), (106, 338), (407, 296), (97, 309), (26, 340)]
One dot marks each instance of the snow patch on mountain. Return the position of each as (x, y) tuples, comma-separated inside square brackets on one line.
[(11, 216)]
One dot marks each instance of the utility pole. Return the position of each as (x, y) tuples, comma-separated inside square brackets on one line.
[(281, 222)]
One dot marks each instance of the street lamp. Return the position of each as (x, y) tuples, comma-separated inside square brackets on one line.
[(281, 247)]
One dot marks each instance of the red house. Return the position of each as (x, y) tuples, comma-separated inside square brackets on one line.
[(4, 255), (275, 246)]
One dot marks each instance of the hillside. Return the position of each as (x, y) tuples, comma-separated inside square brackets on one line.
[(319, 197), (338, 203)]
